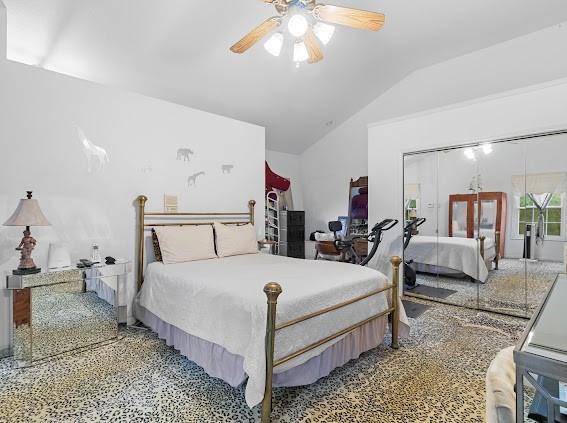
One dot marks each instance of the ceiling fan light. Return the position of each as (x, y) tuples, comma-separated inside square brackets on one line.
[(324, 32), (274, 44), (300, 53), (297, 25)]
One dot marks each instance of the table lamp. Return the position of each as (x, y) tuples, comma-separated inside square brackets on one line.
[(27, 214)]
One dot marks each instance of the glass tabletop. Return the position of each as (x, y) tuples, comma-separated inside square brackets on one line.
[(548, 336)]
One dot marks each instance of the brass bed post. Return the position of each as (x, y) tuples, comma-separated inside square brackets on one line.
[(497, 250), (251, 205), (141, 215), (396, 261), (272, 291)]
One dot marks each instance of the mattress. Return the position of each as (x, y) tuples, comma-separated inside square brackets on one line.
[(221, 301), (452, 253)]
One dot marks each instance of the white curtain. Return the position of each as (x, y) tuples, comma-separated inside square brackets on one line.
[(540, 183), (541, 201), (540, 188), (411, 191)]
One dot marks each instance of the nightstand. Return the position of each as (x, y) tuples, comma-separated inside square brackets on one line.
[(60, 311)]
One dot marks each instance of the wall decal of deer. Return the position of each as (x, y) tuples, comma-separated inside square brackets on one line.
[(192, 180)]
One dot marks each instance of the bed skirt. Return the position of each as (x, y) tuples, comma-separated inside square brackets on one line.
[(220, 363), (446, 271), (439, 270)]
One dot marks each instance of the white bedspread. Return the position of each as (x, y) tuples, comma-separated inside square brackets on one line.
[(221, 301), (461, 254)]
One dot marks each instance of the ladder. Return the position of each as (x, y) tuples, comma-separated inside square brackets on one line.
[(272, 231)]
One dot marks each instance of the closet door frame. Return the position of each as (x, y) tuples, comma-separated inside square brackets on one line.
[(501, 224)]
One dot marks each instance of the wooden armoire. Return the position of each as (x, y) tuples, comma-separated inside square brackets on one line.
[(484, 214)]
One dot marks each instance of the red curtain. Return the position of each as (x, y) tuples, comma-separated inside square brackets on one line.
[(276, 181)]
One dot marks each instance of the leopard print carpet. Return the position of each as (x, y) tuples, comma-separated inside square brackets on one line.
[(64, 318), (436, 376), (506, 290)]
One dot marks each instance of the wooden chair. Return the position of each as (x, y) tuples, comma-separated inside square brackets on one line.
[(328, 248)]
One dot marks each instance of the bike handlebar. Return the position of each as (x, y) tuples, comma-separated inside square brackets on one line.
[(415, 223), (384, 225)]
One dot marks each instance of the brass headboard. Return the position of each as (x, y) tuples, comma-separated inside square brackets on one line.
[(148, 220)]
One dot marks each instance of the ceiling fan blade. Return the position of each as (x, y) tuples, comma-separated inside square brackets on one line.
[(256, 35), (355, 18), (313, 47)]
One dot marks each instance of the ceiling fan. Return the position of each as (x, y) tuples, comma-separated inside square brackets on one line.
[(309, 22)]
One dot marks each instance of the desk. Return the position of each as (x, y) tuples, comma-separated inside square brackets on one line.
[(542, 352)]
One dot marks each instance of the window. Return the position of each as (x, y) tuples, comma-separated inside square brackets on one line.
[(528, 214)]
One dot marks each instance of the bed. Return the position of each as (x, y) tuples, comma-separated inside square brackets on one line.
[(222, 314), (452, 256)]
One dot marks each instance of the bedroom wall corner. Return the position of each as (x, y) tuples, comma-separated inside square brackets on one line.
[(534, 109), (328, 164)]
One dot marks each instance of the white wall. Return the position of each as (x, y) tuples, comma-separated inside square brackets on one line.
[(41, 151), (3, 32), (287, 165), (514, 113), (328, 165)]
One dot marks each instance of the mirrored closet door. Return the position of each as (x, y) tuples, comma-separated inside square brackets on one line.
[(458, 267), (486, 225), (421, 215), (542, 213), (504, 289)]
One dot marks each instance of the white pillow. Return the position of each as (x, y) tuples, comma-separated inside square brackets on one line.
[(233, 240), (179, 244), (324, 236)]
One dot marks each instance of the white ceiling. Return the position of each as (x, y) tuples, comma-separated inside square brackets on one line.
[(177, 50)]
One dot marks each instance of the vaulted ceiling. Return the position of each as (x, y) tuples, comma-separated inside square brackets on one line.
[(177, 50)]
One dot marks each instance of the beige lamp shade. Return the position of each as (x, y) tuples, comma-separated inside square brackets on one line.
[(28, 213)]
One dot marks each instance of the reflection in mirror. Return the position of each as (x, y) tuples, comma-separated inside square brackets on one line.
[(540, 214), (459, 268), (495, 230), (421, 225), (358, 213), (60, 311), (504, 289)]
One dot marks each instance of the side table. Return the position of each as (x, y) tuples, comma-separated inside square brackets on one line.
[(64, 310)]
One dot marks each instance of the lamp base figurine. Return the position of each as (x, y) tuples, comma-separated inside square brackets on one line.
[(27, 265)]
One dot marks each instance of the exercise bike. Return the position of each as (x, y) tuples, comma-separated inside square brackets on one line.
[(374, 236), (410, 275)]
